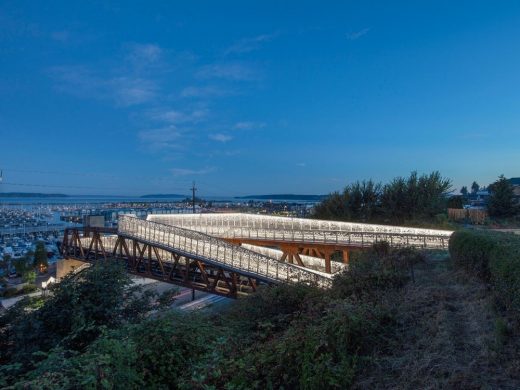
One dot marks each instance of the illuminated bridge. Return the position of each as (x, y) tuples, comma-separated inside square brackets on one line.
[(229, 254)]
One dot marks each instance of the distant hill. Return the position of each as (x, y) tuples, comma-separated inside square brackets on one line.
[(30, 195), (283, 197), (163, 196)]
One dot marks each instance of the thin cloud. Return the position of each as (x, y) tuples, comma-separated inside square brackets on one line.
[(301, 164), (230, 71), (191, 172), (80, 81), (133, 91), (77, 80), (247, 45), (144, 54), (248, 125), (206, 92), (162, 138), (352, 36), (178, 117), (220, 137)]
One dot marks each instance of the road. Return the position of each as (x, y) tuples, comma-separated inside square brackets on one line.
[(183, 300)]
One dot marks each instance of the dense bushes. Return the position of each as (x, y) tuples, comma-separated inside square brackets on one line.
[(76, 312), (302, 337), (287, 336), (14, 291), (494, 257), (472, 251)]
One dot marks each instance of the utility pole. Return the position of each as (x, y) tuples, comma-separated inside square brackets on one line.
[(193, 189)]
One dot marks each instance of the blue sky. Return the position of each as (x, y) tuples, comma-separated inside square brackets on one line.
[(264, 97)]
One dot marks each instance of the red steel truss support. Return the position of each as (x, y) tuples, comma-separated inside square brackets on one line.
[(144, 259), (291, 251)]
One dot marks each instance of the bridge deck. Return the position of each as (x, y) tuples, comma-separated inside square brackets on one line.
[(282, 229)]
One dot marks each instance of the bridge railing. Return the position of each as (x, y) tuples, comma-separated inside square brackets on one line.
[(269, 222), (301, 230), (199, 245)]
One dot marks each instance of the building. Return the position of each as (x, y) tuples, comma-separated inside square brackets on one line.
[(94, 221)]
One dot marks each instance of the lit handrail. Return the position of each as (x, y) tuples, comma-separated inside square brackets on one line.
[(305, 230)]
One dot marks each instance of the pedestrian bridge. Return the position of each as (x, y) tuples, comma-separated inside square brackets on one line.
[(283, 229), (220, 253)]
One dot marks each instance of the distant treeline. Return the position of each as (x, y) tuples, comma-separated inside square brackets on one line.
[(416, 198), (30, 195), (284, 197)]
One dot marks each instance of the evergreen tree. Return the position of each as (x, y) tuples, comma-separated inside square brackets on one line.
[(501, 202), (40, 257), (464, 191), (413, 198), (456, 202), (475, 188)]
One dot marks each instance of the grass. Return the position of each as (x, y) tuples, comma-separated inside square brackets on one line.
[(445, 338)]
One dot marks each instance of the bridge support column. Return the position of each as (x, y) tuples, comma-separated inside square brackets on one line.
[(346, 256), (291, 254), (327, 256)]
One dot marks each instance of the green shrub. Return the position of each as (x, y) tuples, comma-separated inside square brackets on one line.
[(505, 271), (471, 251), (373, 273), (494, 257), (317, 350), (10, 292), (28, 288)]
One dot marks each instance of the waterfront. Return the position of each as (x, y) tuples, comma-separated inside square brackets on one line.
[(25, 221)]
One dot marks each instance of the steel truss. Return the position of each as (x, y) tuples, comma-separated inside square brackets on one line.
[(147, 260)]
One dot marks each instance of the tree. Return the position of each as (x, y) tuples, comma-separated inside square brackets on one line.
[(29, 276), (464, 191), (40, 257), (4, 262), (475, 188), (77, 311), (21, 265), (456, 202), (501, 203), (413, 198)]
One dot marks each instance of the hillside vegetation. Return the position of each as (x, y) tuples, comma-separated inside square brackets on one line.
[(397, 319), (283, 337)]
